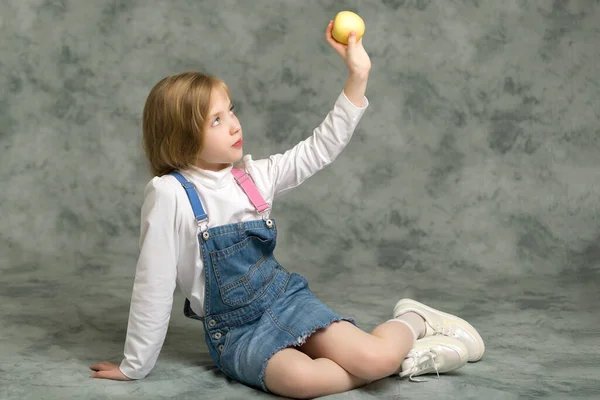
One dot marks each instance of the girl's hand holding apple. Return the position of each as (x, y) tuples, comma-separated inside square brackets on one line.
[(346, 22), (350, 28)]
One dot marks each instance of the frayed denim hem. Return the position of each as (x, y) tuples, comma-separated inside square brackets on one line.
[(296, 343)]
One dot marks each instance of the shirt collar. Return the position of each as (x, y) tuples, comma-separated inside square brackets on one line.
[(212, 179)]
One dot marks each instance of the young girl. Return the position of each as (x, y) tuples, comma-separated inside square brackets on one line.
[(206, 225)]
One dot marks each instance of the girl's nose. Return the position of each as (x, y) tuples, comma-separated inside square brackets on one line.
[(235, 127)]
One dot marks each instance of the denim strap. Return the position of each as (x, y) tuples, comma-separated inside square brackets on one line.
[(244, 181), (249, 187), (190, 189)]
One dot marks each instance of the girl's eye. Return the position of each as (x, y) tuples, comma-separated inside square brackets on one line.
[(218, 119)]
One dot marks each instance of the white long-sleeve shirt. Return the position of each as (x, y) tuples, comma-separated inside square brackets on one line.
[(169, 248)]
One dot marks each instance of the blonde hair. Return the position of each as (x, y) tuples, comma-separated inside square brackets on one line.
[(173, 120)]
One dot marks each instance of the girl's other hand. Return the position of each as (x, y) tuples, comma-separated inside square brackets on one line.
[(354, 54), (108, 370)]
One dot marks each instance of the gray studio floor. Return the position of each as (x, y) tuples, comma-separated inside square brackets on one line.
[(471, 184), (541, 335)]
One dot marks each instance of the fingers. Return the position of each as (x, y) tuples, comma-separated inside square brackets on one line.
[(112, 375), (108, 370), (352, 39), (99, 375), (328, 30), (351, 47), (102, 366), (337, 46), (328, 34), (340, 48)]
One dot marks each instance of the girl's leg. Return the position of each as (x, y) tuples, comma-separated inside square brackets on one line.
[(367, 356), (291, 373)]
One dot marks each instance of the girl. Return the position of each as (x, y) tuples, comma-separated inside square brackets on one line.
[(206, 225)]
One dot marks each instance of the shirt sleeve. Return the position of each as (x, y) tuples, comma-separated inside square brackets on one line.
[(155, 280), (282, 172)]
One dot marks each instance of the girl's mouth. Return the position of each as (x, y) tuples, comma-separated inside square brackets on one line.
[(238, 143)]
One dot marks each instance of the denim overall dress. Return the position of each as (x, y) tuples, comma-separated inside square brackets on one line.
[(253, 306)]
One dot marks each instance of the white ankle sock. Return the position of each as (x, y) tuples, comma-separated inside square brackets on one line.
[(414, 321)]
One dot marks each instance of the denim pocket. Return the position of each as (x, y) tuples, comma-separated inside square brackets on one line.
[(243, 269)]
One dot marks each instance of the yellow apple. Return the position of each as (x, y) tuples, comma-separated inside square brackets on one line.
[(346, 22)]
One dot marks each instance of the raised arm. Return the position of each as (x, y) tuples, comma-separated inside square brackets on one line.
[(358, 63), (282, 172)]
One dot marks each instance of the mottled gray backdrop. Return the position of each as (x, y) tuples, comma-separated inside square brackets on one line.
[(471, 183)]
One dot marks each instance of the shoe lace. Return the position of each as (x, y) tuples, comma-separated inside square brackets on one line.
[(443, 331), (421, 360)]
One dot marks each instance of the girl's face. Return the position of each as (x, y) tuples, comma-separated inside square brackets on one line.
[(222, 141)]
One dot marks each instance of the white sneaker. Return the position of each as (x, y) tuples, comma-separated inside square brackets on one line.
[(441, 323), (437, 354)]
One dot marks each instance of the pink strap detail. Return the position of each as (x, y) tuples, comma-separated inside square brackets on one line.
[(249, 187)]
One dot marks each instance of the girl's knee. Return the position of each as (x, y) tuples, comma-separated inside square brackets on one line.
[(300, 385), (376, 363), (293, 380)]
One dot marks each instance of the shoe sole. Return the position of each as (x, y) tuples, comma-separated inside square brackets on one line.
[(413, 305)]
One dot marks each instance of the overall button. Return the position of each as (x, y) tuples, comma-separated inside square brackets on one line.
[(221, 347), (217, 335), (269, 223), (212, 323), (205, 235)]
